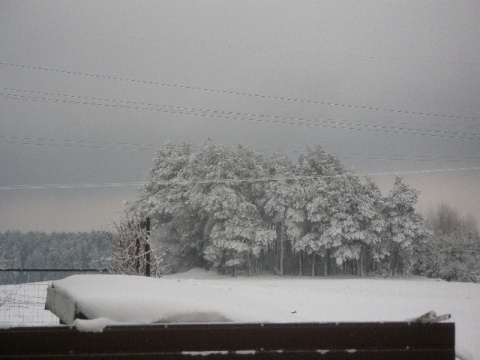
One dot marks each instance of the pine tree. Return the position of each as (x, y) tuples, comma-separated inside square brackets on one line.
[(322, 172), (235, 231), (404, 228)]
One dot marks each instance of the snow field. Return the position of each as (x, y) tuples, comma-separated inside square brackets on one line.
[(358, 299)]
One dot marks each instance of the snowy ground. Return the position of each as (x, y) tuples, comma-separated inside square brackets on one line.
[(356, 299), (308, 299)]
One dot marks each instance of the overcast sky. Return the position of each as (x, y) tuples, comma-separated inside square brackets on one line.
[(89, 89)]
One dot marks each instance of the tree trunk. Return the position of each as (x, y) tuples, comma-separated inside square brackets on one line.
[(326, 267), (361, 263), (394, 261), (313, 264), (300, 261), (282, 240), (137, 255)]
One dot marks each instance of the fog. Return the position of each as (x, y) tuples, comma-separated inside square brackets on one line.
[(90, 89)]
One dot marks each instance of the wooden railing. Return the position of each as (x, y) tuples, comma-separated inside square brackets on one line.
[(353, 341)]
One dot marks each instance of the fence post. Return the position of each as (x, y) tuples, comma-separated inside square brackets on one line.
[(137, 248), (147, 248)]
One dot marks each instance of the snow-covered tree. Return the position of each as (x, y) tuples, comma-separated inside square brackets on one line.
[(355, 224), (285, 201), (164, 194), (452, 252), (239, 231), (321, 172), (404, 228), (314, 242), (206, 200), (373, 225), (284, 206), (166, 199)]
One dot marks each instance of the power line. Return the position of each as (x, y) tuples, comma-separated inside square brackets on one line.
[(259, 118), (245, 94), (420, 158), (70, 186), (142, 104), (109, 145), (179, 108), (220, 181)]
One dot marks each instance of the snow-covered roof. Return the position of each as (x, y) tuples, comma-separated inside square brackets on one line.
[(139, 300)]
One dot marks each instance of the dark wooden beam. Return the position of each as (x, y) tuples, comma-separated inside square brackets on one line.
[(374, 341)]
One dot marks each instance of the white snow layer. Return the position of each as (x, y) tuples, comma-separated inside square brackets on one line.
[(198, 296), (138, 299)]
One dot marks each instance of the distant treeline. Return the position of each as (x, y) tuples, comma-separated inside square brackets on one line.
[(39, 250)]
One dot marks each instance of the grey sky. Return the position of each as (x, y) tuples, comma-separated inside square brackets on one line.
[(350, 63)]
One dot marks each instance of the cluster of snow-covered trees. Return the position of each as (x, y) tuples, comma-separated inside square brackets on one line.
[(234, 208), (58, 250), (452, 252)]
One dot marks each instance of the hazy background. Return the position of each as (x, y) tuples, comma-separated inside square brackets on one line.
[(89, 89)]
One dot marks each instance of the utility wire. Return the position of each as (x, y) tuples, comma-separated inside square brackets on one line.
[(19, 140), (259, 118), (229, 181), (70, 186), (109, 145), (216, 111), (244, 94), (143, 104)]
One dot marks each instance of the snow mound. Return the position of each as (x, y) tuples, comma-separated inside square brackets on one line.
[(96, 325), (196, 274), (143, 300)]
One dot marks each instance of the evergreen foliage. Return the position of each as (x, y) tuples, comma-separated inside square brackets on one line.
[(236, 209), (452, 252)]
